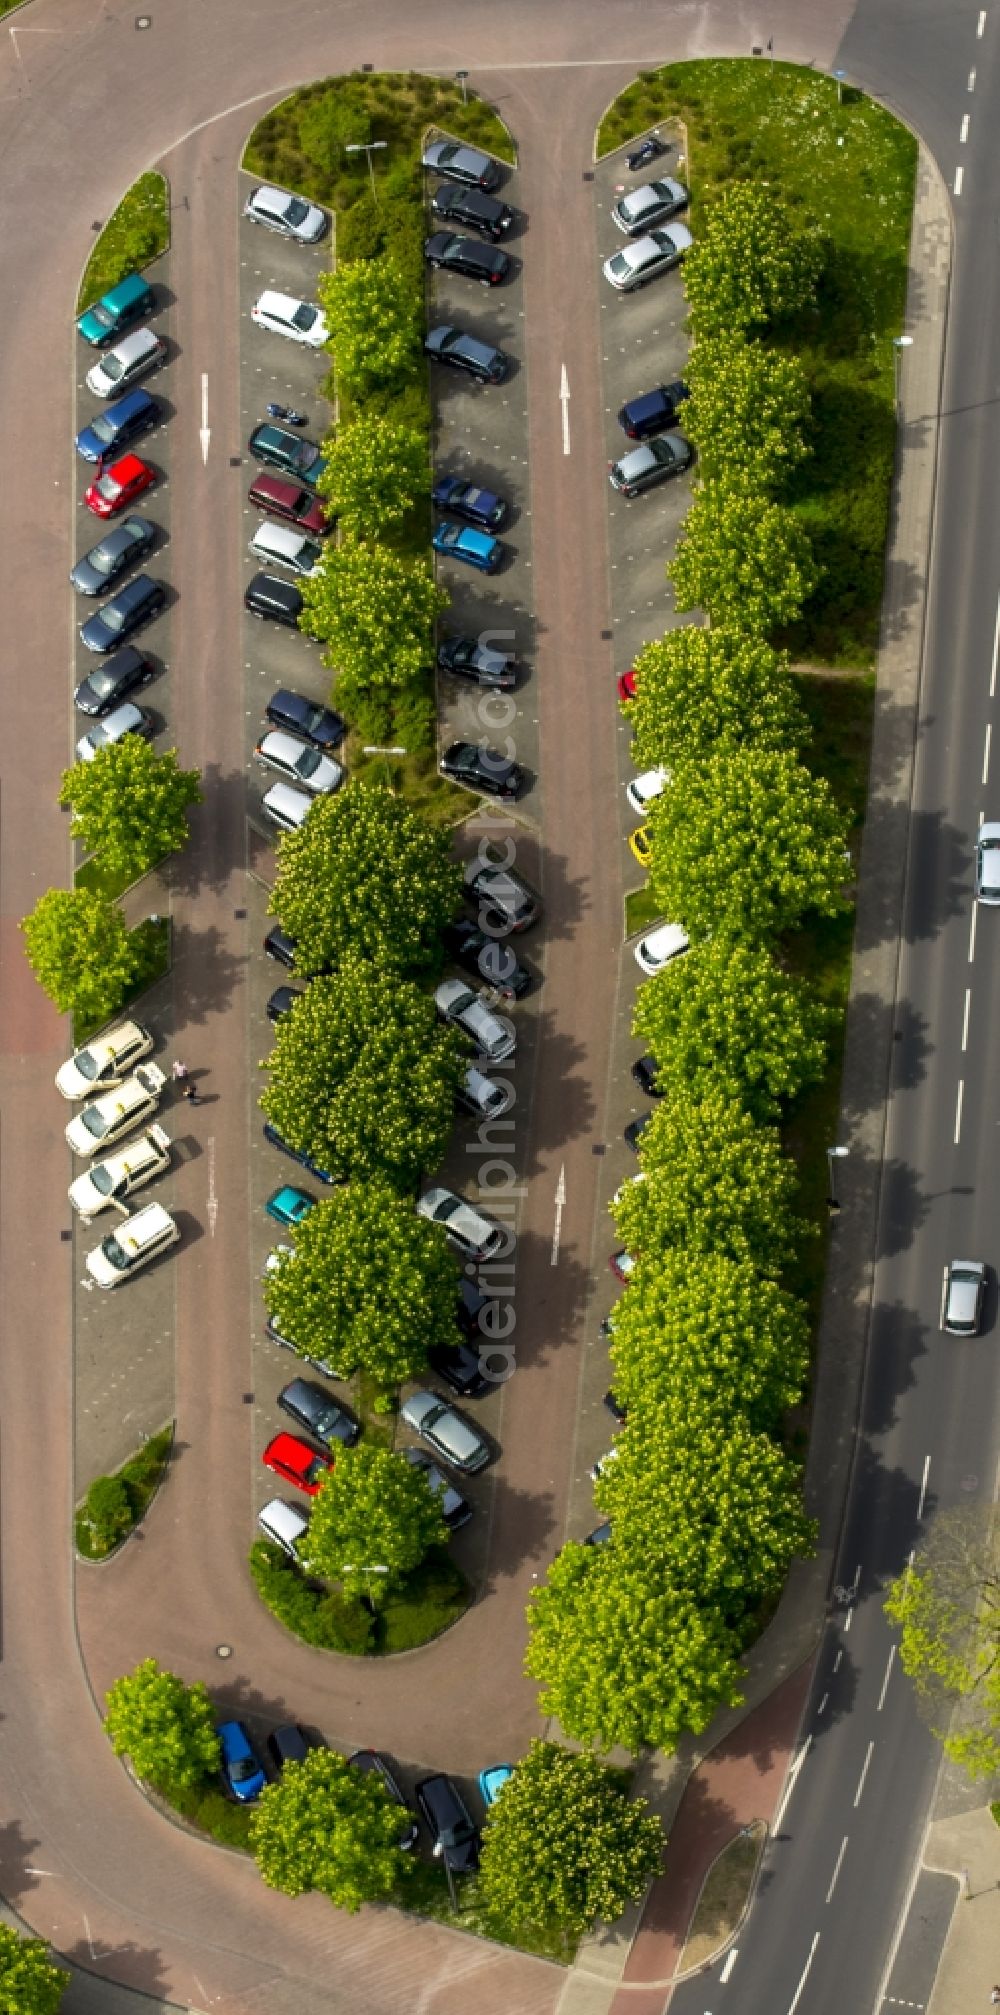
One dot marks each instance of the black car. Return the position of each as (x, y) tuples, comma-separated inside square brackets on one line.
[(319, 725), (600, 1536), (467, 658), (283, 1342), (109, 684), (456, 1839), (282, 449), (469, 501), (485, 263), (614, 1405), (652, 412), (469, 1308), (635, 1129), (278, 945), (134, 604), (120, 548), (272, 600), (458, 1365), (503, 901), (482, 769), (374, 1765), (474, 208), (282, 1002), (644, 1072), (481, 955), (448, 345), (289, 1744), (312, 1408), (274, 1139)]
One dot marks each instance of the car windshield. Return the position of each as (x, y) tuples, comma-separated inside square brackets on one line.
[(305, 315), (619, 266), (296, 211), (95, 1122), (446, 1210), (457, 1835), (308, 763), (112, 617), (107, 488), (243, 1769), (86, 1063), (100, 314), (112, 367), (101, 1179), (101, 560), (115, 1254), (102, 427)]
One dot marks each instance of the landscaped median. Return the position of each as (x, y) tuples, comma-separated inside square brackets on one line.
[(115, 1505), (137, 232)]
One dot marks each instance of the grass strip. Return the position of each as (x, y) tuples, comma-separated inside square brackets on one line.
[(135, 234), (140, 1477)]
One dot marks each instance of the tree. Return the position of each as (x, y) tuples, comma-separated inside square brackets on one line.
[(374, 1511), (367, 875), (324, 1826), (697, 688), (374, 473), (700, 1328), (29, 1983), (364, 1076), (82, 952), (370, 1282), (330, 122), (727, 1017), (947, 1605), (748, 841), (742, 558), (107, 1512), (750, 263), (375, 322), (715, 1181), (374, 613), (165, 1727), (748, 408), (564, 1846), (130, 805)]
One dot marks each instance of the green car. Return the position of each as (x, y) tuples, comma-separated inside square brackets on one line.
[(289, 1205), (130, 302), (282, 449)]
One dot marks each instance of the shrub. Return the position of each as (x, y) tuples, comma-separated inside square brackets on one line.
[(107, 1513), (312, 1613)]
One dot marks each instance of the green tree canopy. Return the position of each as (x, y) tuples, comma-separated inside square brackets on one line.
[(324, 1826), (743, 558), (564, 1846), (364, 1075), (370, 1284), (947, 1606), (748, 408), (374, 613), (746, 842), (367, 875), (375, 322), (328, 123), (165, 1727), (82, 952), (130, 806), (752, 262), (697, 688), (715, 1181), (726, 1017), (700, 1329), (29, 1983), (374, 1511), (374, 473)]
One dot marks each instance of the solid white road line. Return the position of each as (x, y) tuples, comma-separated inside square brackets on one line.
[(564, 402), (923, 1487), (805, 1975), (972, 932), (560, 1205), (790, 1786), (864, 1773), (958, 1110), (885, 1682), (996, 651), (965, 1018), (204, 431), (981, 24), (836, 1872), (959, 179), (728, 1967), (986, 750), (964, 134)]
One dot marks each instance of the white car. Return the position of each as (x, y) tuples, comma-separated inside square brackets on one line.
[(643, 789), (290, 216), (286, 807), (476, 1237), (645, 258), (111, 1181), (275, 545), (299, 762), (122, 721), (494, 1038), (105, 1061), (651, 204), (658, 947), (301, 321), (482, 1096), (132, 1244), (117, 1112), (988, 862)]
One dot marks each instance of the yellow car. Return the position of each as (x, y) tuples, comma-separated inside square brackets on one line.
[(641, 843)]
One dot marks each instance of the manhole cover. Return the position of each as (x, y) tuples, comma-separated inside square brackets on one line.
[(143, 20), (223, 1651)]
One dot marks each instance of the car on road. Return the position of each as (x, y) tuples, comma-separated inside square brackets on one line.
[(492, 1781), (280, 545), (295, 1462), (461, 164), (273, 600), (435, 1420), (472, 1234), (119, 549), (131, 359), (105, 1061), (456, 1003), (644, 259), (466, 543), (653, 462), (288, 1205), (477, 953), (123, 613), (963, 1292), (640, 842), (282, 1002), (242, 1774), (470, 501), (644, 1071), (659, 946), (468, 658), (299, 762), (503, 900), (473, 208), (134, 1242), (111, 682), (652, 203), (455, 347), (324, 1418), (111, 431), (287, 808), (988, 863), (652, 412), (622, 1263), (131, 301), (456, 254), (283, 315), (282, 448), (482, 769), (456, 1839), (458, 1364), (120, 485), (117, 1112), (275, 1139), (283, 498), (646, 788), (373, 1764), (290, 216), (113, 1180), (285, 1526)]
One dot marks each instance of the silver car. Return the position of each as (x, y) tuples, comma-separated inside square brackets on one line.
[(963, 1291), (125, 720), (475, 1236), (445, 1431), (654, 203), (461, 164), (298, 762), (665, 455), (455, 1509), (456, 1002), (988, 864), (290, 216), (130, 359), (645, 258)]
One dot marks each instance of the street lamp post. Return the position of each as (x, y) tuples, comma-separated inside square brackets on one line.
[(368, 147), (833, 1154), (460, 78), (899, 343)]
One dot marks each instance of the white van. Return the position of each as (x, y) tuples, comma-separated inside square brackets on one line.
[(284, 1525), (277, 545), (134, 1242)]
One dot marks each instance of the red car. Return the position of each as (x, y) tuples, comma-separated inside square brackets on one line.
[(282, 499), (295, 1462), (622, 1263), (627, 685), (119, 486)]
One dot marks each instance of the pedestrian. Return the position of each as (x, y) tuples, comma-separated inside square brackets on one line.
[(192, 1094), (180, 1071), (995, 1995)]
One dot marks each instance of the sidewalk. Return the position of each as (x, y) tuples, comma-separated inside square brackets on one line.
[(968, 1847)]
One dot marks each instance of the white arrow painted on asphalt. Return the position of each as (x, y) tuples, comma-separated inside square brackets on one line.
[(204, 431), (560, 1203), (564, 402)]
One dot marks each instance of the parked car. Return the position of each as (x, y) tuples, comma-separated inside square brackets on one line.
[(285, 1526), (473, 1234), (112, 1181), (290, 216), (273, 600), (618, 1412), (119, 549), (241, 1771), (304, 1160), (314, 723), (289, 1744), (503, 900), (279, 946), (652, 203), (299, 762), (653, 462), (283, 315), (470, 501), (465, 543), (282, 1002), (652, 412), (461, 164), (482, 1096), (644, 789), (622, 1264), (125, 720), (131, 359), (473, 208), (282, 448), (105, 1061), (490, 961), (492, 1781), (485, 263), (456, 1839), (131, 301), (324, 1418), (448, 345), (123, 613), (659, 946), (111, 431), (634, 1131), (469, 1309), (295, 1462), (373, 1764), (120, 485), (458, 1364), (988, 863), (467, 658), (456, 1003), (284, 546), (644, 259), (321, 1364), (644, 1072), (117, 1111), (482, 769), (111, 682), (600, 1536), (963, 1292), (134, 1242), (640, 842), (283, 498), (455, 1509), (627, 685), (451, 1437), (287, 808), (288, 1205)]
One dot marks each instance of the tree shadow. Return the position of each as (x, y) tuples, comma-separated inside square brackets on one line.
[(90, 1991), (207, 971), (215, 854), (873, 1025), (937, 882)]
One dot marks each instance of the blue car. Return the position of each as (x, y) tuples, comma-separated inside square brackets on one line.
[(117, 426), (289, 1205), (275, 1139), (461, 542), (241, 1773), (468, 501), (492, 1781)]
